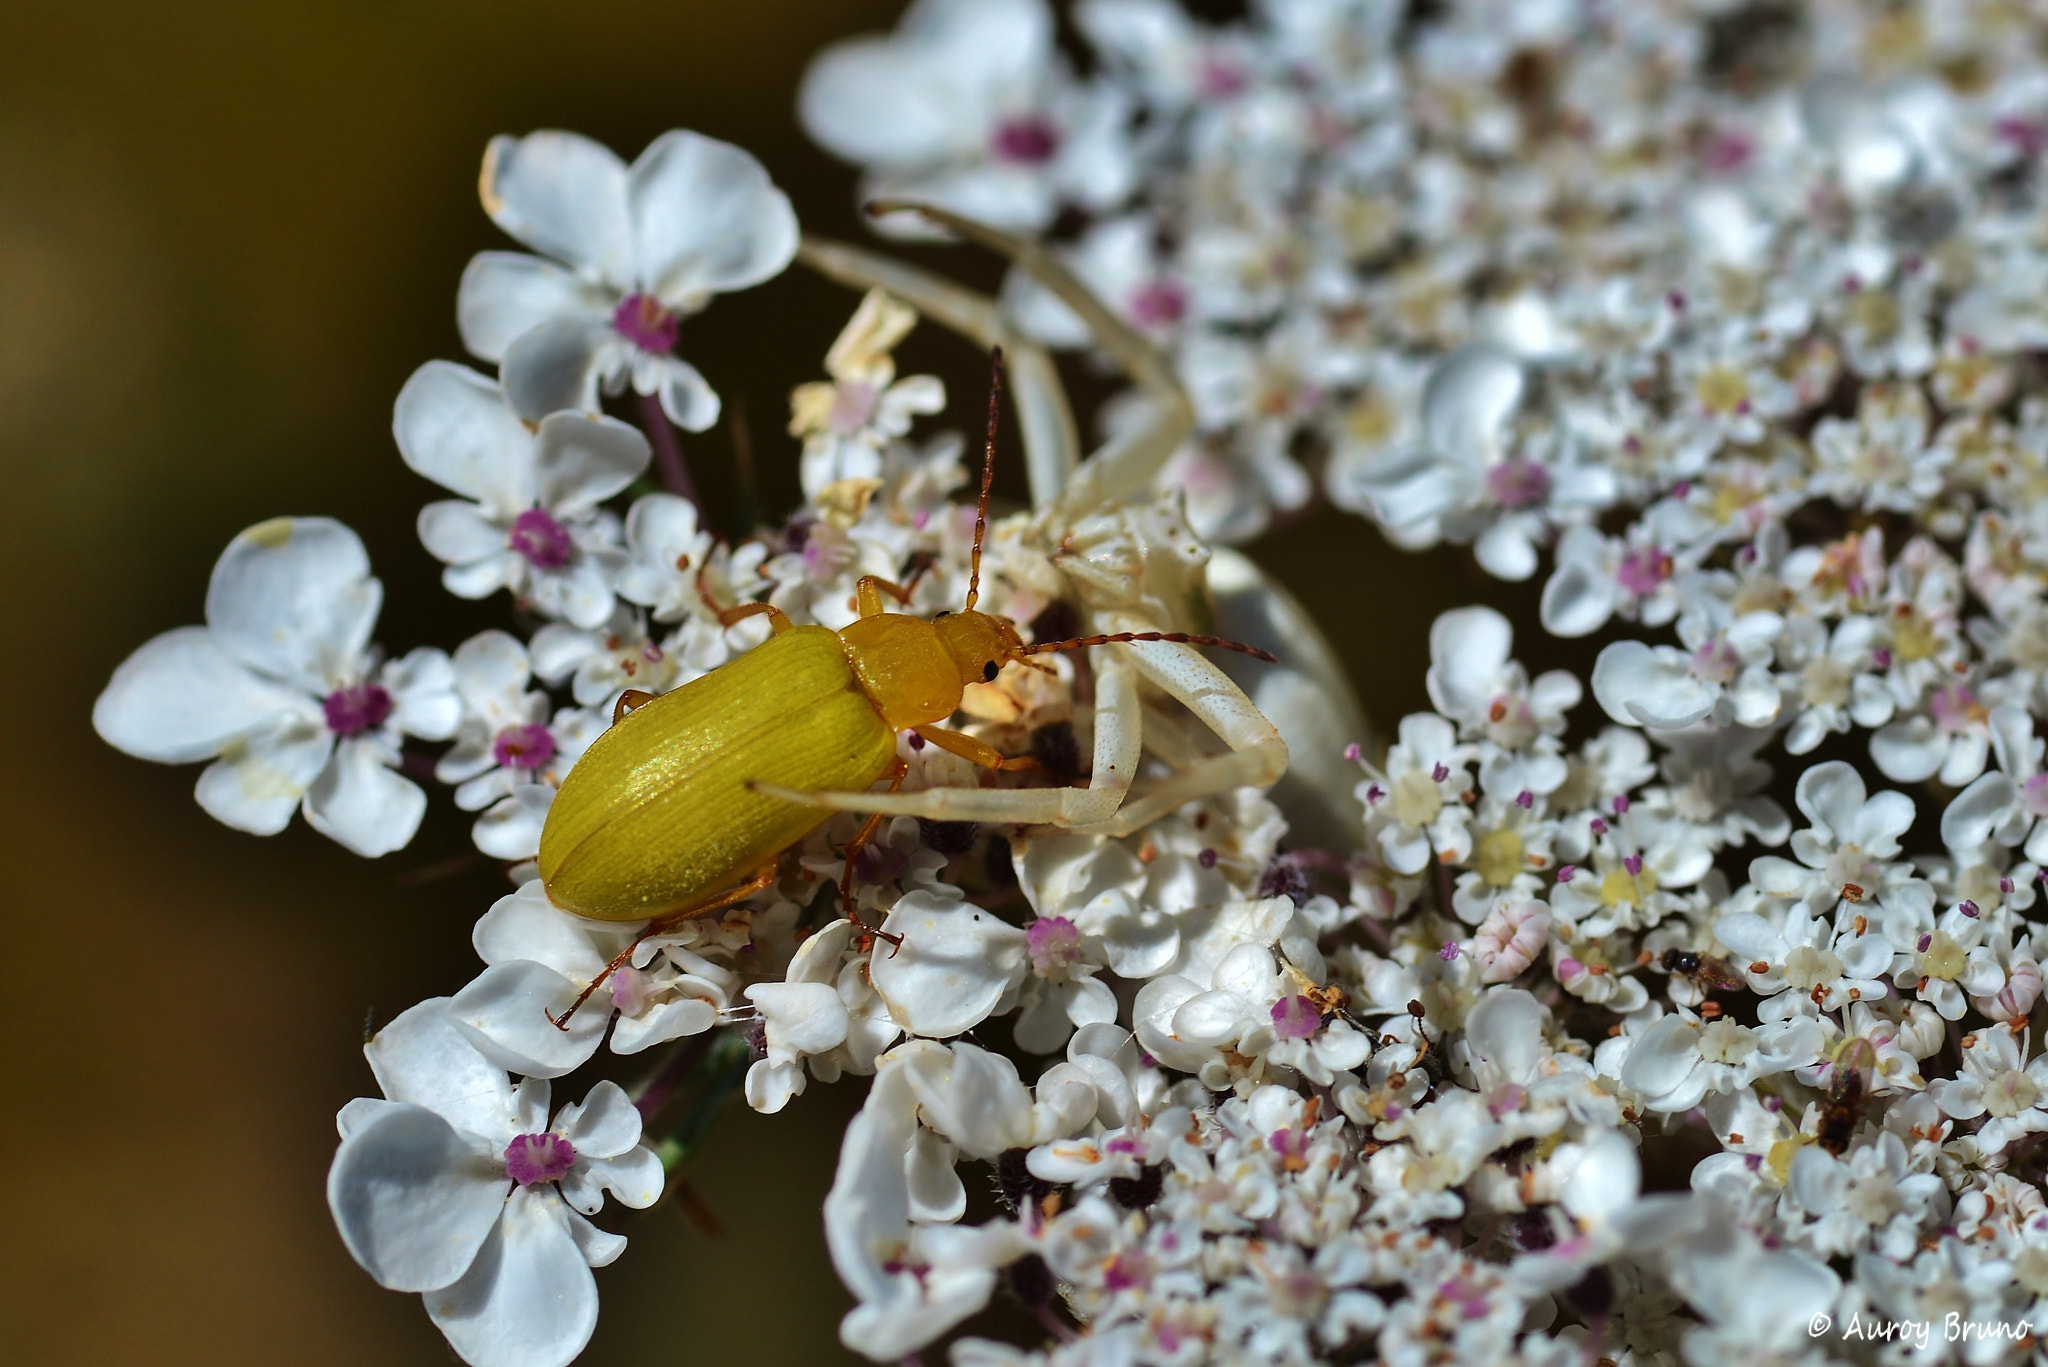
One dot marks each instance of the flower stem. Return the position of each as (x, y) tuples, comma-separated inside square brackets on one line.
[(1058, 1327), (660, 1087), (668, 452)]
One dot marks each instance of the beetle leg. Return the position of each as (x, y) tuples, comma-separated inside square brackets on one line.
[(778, 620), (1124, 467), (869, 590), (661, 925), (977, 751), (1052, 443), (629, 700)]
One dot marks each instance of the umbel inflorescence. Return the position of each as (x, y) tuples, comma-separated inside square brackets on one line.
[(1577, 1042)]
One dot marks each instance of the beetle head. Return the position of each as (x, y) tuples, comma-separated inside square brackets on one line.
[(979, 643)]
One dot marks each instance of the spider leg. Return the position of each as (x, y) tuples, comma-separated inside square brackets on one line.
[(1118, 723), (1125, 467), (1051, 442)]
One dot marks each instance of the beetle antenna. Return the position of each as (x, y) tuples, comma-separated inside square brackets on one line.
[(1178, 637), (988, 471)]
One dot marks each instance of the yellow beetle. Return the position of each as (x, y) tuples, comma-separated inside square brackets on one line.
[(685, 806)]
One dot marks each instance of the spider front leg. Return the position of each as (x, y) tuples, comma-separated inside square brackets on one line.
[(1257, 756), (1118, 725)]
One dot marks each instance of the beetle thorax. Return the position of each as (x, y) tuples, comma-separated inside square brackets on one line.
[(904, 666)]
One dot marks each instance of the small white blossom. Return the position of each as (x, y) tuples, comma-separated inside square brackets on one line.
[(529, 520), (458, 1186), (628, 253), (283, 691)]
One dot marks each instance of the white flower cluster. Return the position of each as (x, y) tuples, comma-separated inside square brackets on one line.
[(1587, 1050), (1506, 264), (1735, 311)]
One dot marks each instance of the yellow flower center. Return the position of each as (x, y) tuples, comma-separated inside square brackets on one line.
[(1913, 637), (1875, 314), (2010, 1093), (1943, 958), (1370, 420), (1619, 885), (1721, 389), (1807, 968), (1498, 857), (1414, 799)]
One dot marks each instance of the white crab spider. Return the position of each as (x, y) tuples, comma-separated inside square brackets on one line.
[(1122, 558)]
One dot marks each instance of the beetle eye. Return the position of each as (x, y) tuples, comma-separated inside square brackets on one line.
[(990, 670)]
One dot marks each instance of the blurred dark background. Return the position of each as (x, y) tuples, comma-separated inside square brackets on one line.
[(227, 234)]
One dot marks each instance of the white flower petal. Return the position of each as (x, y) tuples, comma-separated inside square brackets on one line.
[(505, 1010), (182, 697), (955, 963), (422, 688), (506, 294), (1661, 1058), (867, 103), (661, 1023), (557, 366), (1505, 551), (362, 804), (1910, 750), (529, 1299), (1468, 399), (457, 532), (1640, 685), (1409, 490), (930, 92), (972, 1097), (706, 219), (293, 599), (1468, 648), (770, 1085), (1832, 796), (525, 925), (1966, 757), (511, 828), (580, 592), (598, 1248), (867, 1211), (581, 461), (801, 1018), (686, 397), (605, 1124), (1505, 1031), (413, 1199), (359, 1112), (562, 194), (421, 1059), (1578, 600), (937, 1194), (1606, 1179), (634, 1178), (1748, 936), (454, 426), (257, 784)]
